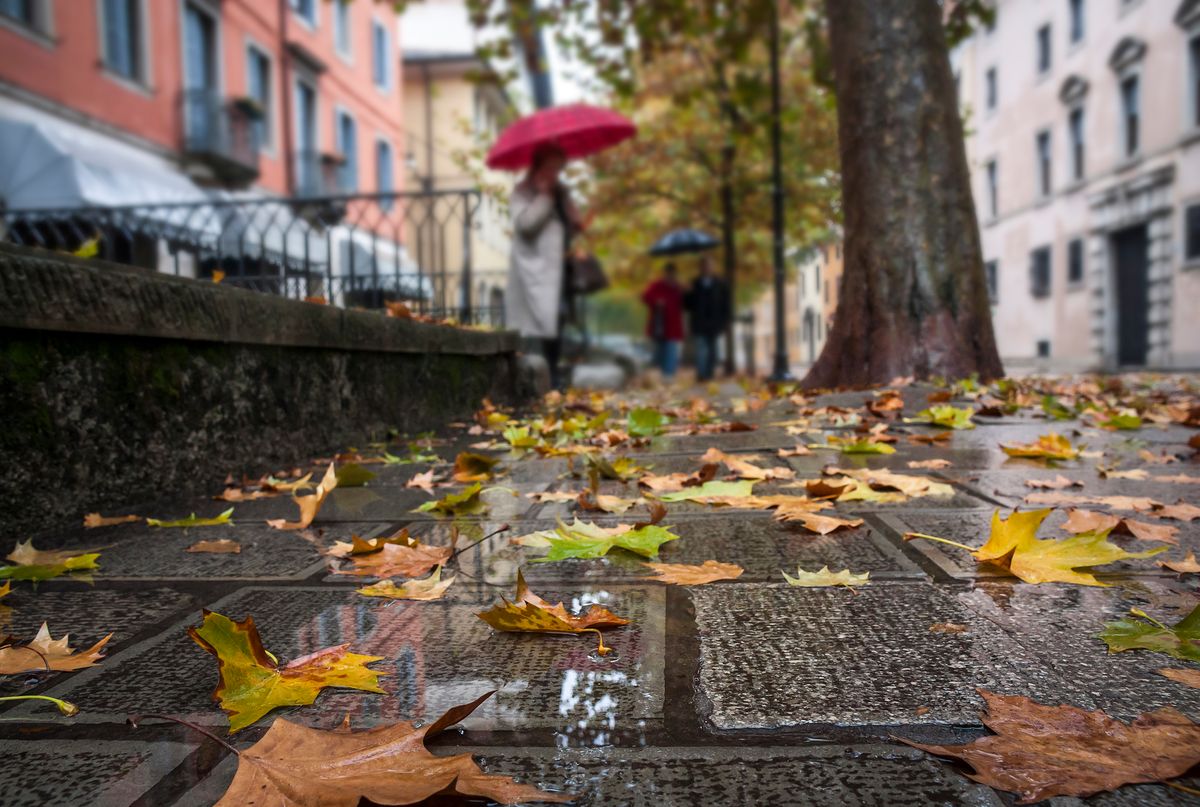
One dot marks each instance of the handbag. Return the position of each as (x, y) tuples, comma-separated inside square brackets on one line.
[(586, 274)]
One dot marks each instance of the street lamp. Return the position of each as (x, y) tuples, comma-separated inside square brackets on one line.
[(781, 370)]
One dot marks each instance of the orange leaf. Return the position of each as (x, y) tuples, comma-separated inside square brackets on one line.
[(222, 546), (309, 505), (682, 574), (92, 520), (529, 613)]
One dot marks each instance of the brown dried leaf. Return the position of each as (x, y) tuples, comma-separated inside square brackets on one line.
[(1180, 512), (800, 450), (743, 468), (930, 439), (1157, 459), (1186, 566), (93, 520), (224, 546), (1059, 482), (1087, 520), (309, 505), (822, 525), (932, 465), (44, 653), (681, 574), (397, 560), (1189, 677), (425, 481), (948, 627), (1041, 751)]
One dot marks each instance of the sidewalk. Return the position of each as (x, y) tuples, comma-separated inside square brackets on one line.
[(738, 692)]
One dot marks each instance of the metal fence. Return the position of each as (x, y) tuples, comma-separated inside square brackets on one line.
[(350, 250)]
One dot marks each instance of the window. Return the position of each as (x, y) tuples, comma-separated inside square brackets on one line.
[(122, 28), (990, 91), (1039, 272), (1130, 113), (308, 161), (200, 78), (993, 196), (1191, 229), (1043, 348), (1194, 59), (381, 55), (258, 88), (347, 145), (1075, 261), (1077, 20), (385, 172), (991, 272), (1043, 49), (1075, 132), (1045, 166), (341, 26), (31, 14), (306, 10)]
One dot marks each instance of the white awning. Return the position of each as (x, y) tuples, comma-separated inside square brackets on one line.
[(54, 164)]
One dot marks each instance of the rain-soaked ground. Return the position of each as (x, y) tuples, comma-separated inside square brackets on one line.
[(739, 692)]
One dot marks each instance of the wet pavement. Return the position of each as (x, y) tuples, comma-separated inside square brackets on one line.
[(734, 693)]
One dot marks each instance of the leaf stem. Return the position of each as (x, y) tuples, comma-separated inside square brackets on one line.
[(500, 529), (132, 720), (601, 649), (67, 708), (908, 536), (1148, 618), (1190, 790)]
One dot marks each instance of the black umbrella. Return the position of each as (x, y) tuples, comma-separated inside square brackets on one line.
[(682, 242)]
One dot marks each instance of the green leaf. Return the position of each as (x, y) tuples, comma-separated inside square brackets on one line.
[(864, 446), (193, 521), (716, 488), (45, 571), (946, 416), (465, 502), (646, 422), (1181, 641), (1056, 409), (353, 475), (519, 437), (583, 540), (621, 469), (1122, 422)]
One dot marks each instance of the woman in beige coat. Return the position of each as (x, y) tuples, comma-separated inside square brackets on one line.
[(544, 220)]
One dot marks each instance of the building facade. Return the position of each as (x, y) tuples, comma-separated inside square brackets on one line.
[(1083, 120), (291, 97), (818, 281)]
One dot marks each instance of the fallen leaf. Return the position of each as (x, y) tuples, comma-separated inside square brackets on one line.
[(948, 627), (863, 445), (194, 521), (1041, 751), (711, 492), (814, 522), (672, 482), (921, 710), (1049, 446), (622, 469), (1089, 521), (362, 546), (1014, 545), (388, 764), (745, 469), (584, 540), (1186, 566), (1180, 479), (397, 560), (1137, 503), (682, 574), (1181, 641), (470, 467), (946, 416), (237, 495), (645, 422), (883, 479), (1059, 482), (425, 481), (933, 465), (603, 503), (554, 496), (222, 546), (353, 475), (44, 653), (309, 505), (1180, 512), (1157, 459), (826, 578), (36, 565), (252, 683), (93, 520), (1136, 474), (797, 451), (929, 439), (1188, 677), (1124, 421), (529, 613), (823, 489), (464, 503), (430, 588)]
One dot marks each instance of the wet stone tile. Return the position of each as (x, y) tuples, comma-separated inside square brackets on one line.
[(810, 465), (1059, 624), (805, 650), (101, 774), (437, 654), (1009, 484), (762, 439)]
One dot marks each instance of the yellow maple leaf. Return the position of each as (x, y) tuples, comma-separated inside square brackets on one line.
[(45, 653), (529, 613), (1049, 446), (826, 578), (253, 683), (309, 505), (1013, 544), (429, 588)]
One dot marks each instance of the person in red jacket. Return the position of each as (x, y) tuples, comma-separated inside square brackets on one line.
[(664, 298)]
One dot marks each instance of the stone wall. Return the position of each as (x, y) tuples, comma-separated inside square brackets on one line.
[(120, 386)]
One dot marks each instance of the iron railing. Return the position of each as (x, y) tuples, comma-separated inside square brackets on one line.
[(350, 250)]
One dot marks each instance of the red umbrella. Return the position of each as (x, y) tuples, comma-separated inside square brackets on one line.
[(578, 129)]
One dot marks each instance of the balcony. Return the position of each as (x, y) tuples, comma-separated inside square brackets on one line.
[(318, 176), (221, 138)]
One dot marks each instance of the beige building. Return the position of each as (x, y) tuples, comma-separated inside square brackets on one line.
[(455, 106), (1083, 120), (818, 281)]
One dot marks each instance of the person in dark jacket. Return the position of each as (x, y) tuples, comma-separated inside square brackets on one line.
[(708, 306), (664, 326)]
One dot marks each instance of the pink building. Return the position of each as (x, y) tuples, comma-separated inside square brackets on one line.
[(109, 102)]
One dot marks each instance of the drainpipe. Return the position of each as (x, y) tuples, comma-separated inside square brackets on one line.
[(427, 180), (285, 83)]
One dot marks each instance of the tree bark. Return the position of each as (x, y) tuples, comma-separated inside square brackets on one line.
[(914, 297)]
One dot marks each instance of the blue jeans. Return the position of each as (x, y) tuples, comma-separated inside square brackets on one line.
[(666, 357), (706, 356)]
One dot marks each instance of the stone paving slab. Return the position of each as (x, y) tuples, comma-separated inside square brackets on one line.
[(865, 658), (438, 653), (1009, 484), (112, 773)]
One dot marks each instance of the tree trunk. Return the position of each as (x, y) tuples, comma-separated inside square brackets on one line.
[(914, 297), (729, 247)]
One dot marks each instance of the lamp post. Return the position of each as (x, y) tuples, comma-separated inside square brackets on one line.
[(781, 370)]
